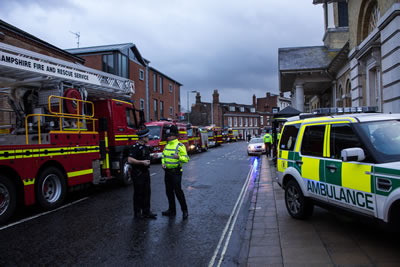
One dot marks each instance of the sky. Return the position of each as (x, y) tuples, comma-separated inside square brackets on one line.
[(228, 45)]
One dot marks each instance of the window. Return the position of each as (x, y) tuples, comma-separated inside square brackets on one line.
[(161, 85), (255, 121), (251, 121), (170, 88), (141, 104), (253, 110), (123, 65), (230, 121), (161, 109), (313, 141), (170, 111), (261, 120), (235, 119), (240, 121), (289, 136), (155, 109), (343, 15), (231, 108), (108, 63), (155, 83), (241, 109), (141, 74), (131, 118), (342, 136), (246, 121), (116, 64)]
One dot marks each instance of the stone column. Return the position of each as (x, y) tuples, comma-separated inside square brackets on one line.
[(299, 97)]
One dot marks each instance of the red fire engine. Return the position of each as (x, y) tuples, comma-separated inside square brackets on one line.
[(214, 135), (67, 125), (158, 138), (198, 139)]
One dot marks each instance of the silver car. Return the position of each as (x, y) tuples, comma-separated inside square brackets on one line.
[(256, 146)]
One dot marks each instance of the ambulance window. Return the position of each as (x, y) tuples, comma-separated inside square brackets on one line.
[(289, 136), (313, 141), (342, 137)]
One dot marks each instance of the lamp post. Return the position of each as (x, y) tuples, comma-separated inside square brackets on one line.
[(188, 103)]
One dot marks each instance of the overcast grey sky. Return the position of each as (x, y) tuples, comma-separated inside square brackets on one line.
[(229, 45)]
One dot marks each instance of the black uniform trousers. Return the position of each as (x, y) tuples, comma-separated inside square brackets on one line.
[(173, 180), (141, 193)]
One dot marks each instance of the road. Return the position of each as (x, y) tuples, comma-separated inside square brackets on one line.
[(97, 226)]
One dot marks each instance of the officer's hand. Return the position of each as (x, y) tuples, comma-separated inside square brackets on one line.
[(176, 156), (146, 162), (163, 166)]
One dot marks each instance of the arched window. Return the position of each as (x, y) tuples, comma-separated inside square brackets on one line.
[(369, 15), (339, 96)]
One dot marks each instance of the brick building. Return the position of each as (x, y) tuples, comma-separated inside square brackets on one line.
[(155, 93), (356, 66), (247, 119)]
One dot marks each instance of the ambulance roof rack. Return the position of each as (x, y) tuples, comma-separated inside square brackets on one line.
[(338, 111)]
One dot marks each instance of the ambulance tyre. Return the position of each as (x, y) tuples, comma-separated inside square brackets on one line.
[(51, 188), (298, 206), (125, 173), (8, 198)]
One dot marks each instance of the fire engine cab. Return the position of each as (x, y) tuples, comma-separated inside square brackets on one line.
[(66, 125)]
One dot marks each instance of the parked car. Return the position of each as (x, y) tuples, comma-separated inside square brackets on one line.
[(256, 146)]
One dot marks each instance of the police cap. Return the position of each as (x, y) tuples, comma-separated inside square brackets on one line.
[(171, 130), (143, 133)]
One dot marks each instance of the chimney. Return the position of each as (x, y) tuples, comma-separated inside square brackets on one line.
[(198, 98), (268, 94), (254, 100), (215, 96)]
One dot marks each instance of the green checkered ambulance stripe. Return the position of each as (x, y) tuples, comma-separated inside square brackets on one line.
[(126, 137), (386, 180), (45, 152)]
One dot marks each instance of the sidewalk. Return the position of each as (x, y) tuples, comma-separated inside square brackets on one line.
[(326, 239)]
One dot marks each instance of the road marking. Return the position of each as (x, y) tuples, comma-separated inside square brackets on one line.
[(234, 215), (153, 174), (41, 214)]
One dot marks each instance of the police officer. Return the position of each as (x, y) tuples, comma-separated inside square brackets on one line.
[(139, 157), (173, 157), (268, 143)]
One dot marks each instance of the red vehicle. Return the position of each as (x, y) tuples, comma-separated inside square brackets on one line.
[(158, 139), (214, 136), (64, 130), (198, 139)]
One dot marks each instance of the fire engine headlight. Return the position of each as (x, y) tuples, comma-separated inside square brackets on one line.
[(192, 146)]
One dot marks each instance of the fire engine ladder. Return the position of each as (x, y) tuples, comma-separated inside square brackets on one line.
[(20, 67)]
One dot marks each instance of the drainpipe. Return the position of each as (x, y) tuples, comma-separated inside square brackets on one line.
[(147, 94)]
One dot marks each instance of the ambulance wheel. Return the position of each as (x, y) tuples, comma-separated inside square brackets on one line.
[(8, 198), (298, 206), (125, 173), (51, 188)]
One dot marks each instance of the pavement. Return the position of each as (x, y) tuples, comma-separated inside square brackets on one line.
[(325, 239)]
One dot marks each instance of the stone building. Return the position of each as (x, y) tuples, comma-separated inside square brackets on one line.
[(156, 93), (358, 65)]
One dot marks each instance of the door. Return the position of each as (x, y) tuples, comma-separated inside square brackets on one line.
[(349, 184)]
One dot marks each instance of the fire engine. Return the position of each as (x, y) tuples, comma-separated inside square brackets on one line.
[(158, 138), (198, 139), (233, 135), (214, 136), (66, 125)]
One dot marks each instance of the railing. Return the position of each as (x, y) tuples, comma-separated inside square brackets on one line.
[(80, 119), (79, 103)]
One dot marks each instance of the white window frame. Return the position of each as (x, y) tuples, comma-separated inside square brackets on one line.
[(161, 85), (170, 88), (250, 122), (230, 121), (170, 111), (253, 110), (255, 122), (241, 109), (141, 74), (231, 108), (235, 121), (246, 122), (240, 121), (141, 103), (261, 120)]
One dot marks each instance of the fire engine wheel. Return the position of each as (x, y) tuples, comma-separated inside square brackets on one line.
[(8, 198), (125, 174), (298, 206), (51, 188)]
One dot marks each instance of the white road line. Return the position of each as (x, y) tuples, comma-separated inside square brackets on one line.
[(234, 214), (153, 174), (41, 214)]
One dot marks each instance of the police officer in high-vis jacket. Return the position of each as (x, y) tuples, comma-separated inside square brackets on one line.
[(139, 157), (173, 157)]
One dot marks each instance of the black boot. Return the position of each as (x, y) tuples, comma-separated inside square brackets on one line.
[(150, 215), (185, 214), (169, 213)]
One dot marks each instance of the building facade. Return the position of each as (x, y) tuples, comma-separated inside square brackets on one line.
[(155, 93), (358, 65)]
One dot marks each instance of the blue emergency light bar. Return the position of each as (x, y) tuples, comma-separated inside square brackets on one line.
[(340, 110)]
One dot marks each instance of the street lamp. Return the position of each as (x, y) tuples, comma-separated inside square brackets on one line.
[(188, 102)]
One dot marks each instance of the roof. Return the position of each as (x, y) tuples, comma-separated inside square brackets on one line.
[(108, 48), (357, 117), (287, 112), (11, 28), (305, 58), (155, 70)]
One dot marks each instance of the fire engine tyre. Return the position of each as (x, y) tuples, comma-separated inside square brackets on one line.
[(51, 188), (8, 198), (125, 174), (298, 206)]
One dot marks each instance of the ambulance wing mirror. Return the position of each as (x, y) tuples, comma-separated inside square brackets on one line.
[(353, 154)]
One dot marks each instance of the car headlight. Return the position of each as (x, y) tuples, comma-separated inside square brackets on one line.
[(263, 146)]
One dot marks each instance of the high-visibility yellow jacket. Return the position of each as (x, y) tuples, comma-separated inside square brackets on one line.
[(268, 138), (174, 147)]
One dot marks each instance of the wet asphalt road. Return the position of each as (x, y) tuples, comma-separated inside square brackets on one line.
[(100, 230)]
